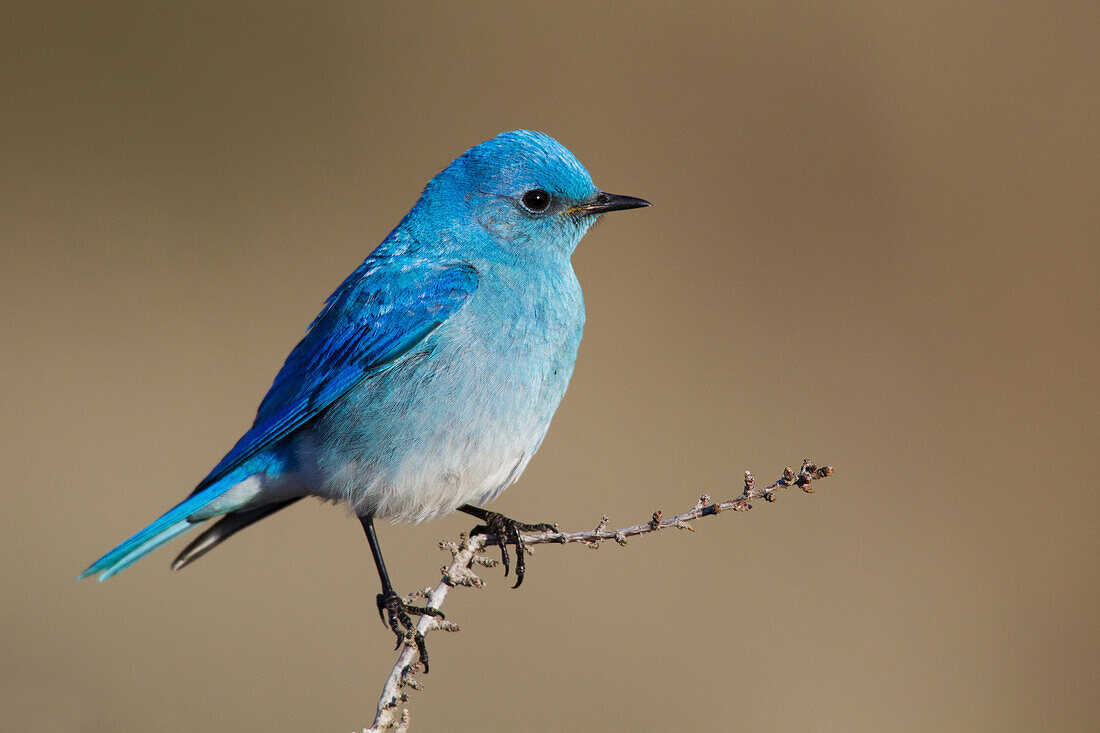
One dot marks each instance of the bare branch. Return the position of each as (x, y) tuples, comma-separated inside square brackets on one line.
[(466, 553)]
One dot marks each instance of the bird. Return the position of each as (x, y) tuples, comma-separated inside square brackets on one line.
[(429, 378)]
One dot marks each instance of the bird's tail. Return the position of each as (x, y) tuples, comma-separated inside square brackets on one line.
[(171, 524)]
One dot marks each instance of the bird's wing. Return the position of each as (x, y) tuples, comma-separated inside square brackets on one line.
[(384, 309)]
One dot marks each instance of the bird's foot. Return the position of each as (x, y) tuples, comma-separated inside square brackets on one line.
[(398, 612), (506, 531)]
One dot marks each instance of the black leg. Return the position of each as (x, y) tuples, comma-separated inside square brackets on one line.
[(391, 605), (506, 531)]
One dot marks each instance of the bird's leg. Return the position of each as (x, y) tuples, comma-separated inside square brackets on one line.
[(505, 531), (392, 605)]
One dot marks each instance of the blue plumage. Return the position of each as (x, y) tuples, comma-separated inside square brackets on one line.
[(376, 316), (430, 377)]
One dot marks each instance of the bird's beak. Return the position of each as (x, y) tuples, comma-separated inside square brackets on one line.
[(602, 203)]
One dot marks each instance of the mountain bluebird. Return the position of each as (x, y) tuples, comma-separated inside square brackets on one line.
[(429, 378)]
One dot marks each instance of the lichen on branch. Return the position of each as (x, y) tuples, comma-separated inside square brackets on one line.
[(468, 553)]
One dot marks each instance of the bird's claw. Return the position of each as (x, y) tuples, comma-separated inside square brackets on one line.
[(392, 605), (507, 531)]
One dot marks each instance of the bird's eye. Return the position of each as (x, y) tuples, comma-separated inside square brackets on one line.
[(536, 200)]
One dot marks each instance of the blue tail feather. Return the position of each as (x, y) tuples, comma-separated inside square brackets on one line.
[(171, 524), (146, 547)]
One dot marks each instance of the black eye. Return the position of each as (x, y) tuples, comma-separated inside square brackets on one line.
[(536, 200)]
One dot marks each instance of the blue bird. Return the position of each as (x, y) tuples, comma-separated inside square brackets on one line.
[(429, 378)]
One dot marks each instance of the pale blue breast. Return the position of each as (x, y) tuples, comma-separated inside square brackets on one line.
[(458, 418)]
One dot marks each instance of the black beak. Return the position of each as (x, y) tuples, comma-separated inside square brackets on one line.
[(602, 203)]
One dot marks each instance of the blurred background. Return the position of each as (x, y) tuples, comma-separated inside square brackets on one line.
[(873, 243)]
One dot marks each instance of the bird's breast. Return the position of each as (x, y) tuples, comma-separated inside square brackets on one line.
[(457, 419)]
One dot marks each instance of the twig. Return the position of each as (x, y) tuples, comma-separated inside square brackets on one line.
[(467, 552)]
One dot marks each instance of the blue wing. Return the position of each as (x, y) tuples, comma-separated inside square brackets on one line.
[(376, 316), (386, 307)]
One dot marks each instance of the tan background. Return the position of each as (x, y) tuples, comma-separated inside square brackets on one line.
[(873, 242)]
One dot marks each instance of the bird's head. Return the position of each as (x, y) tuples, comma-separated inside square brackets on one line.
[(526, 190)]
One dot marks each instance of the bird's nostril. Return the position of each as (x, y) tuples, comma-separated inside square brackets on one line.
[(602, 198)]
